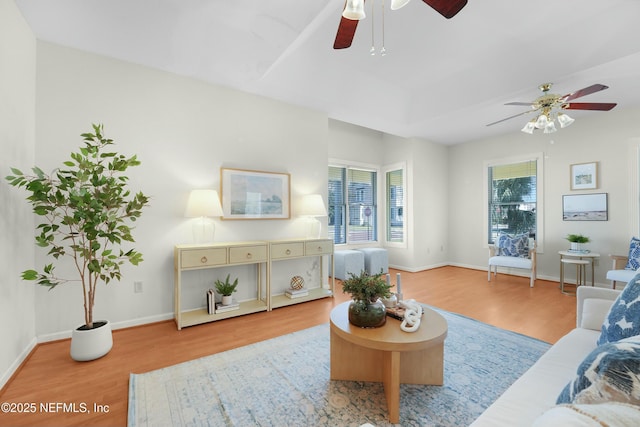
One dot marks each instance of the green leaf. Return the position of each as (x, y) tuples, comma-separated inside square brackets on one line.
[(29, 275)]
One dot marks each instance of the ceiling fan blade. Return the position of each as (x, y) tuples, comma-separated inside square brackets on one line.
[(599, 106), (447, 8), (346, 31), (585, 91), (528, 104), (511, 117)]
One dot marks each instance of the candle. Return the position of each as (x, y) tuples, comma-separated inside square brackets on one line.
[(398, 289), (388, 279)]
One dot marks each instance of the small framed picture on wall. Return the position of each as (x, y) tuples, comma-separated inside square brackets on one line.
[(584, 176)]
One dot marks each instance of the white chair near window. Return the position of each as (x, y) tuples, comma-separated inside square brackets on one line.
[(625, 267), (517, 251)]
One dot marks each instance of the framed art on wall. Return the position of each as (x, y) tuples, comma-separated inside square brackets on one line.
[(584, 176), (585, 207), (249, 194)]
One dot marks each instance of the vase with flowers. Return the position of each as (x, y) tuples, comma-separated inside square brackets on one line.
[(366, 310)]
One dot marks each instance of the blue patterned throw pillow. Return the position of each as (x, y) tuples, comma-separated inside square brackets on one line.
[(516, 246), (623, 319), (634, 254), (609, 373)]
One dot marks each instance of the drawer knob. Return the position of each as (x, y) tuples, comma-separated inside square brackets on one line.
[(249, 256), (204, 260), (288, 251), (319, 248)]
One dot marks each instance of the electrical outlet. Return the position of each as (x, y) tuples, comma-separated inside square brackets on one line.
[(137, 287)]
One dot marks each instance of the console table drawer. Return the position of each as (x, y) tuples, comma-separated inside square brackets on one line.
[(318, 247), (287, 250), (203, 257), (241, 254)]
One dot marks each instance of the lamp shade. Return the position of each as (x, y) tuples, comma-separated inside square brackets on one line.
[(354, 10), (312, 205), (203, 203), (565, 120), (397, 4)]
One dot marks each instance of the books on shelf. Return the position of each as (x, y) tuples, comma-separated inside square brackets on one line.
[(296, 293), (211, 301), (220, 308)]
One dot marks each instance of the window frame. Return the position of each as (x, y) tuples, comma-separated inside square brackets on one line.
[(385, 170), (539, 158), (377, 202)]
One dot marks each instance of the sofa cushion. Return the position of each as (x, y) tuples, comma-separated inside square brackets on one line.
[(537, 390), (513, 246), (634, 254), (596, 415), (611, 372), (623, 319)]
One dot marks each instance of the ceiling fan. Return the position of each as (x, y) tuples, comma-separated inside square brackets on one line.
[(550, 106), (347, 26)]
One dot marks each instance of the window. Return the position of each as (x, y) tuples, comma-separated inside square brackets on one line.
[(395, 206), (514, 197), (353, 213)]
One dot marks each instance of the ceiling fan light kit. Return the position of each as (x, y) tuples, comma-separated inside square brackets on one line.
[(398, 4), (354, 10), (548, 105)]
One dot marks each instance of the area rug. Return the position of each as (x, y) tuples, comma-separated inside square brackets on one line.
[(285, 382)]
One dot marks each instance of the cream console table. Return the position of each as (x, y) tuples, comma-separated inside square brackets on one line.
[(254, 253)]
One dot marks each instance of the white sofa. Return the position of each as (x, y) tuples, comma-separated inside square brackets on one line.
[(538, 388)]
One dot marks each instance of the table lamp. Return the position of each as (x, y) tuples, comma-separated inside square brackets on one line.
[(203, 204), (311, 207)]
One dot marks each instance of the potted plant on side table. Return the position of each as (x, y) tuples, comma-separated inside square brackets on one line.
[(85, 208), (226, 289), (577, 241), (366, 310)]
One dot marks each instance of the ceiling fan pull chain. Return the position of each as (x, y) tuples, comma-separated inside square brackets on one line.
[(372, 51), (383, 51)]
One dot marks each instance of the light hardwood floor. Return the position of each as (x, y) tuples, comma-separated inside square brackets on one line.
[(51, 378)]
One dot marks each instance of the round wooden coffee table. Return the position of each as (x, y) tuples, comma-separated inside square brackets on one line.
[(388, 354)]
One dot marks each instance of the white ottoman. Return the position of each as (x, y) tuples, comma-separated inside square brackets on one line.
[(376, 260), (347, 261)]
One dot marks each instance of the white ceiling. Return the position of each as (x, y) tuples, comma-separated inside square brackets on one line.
[(441, 80)]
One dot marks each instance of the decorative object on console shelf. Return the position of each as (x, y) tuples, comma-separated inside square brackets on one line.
[(366, 310), (248, 194), (85, 198), (585, 207), (577, 241), (311, 207), (297, 282), (203, 204), (225, 289)]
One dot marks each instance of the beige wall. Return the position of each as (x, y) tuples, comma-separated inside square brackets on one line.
[(17, 124), (183, 131), (610, 138)]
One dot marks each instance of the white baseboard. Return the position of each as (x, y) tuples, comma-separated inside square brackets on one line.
[(114, 325), (17, 363)]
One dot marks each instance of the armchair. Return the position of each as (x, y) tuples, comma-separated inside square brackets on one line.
[(625, 267), (513, 252)]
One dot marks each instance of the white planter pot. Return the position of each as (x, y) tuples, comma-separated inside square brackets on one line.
[(226, 300), (91, 344), (575, 246)]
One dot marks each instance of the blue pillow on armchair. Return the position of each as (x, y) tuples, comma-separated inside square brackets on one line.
[(634, 254), (623, 319), (515, 246)]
